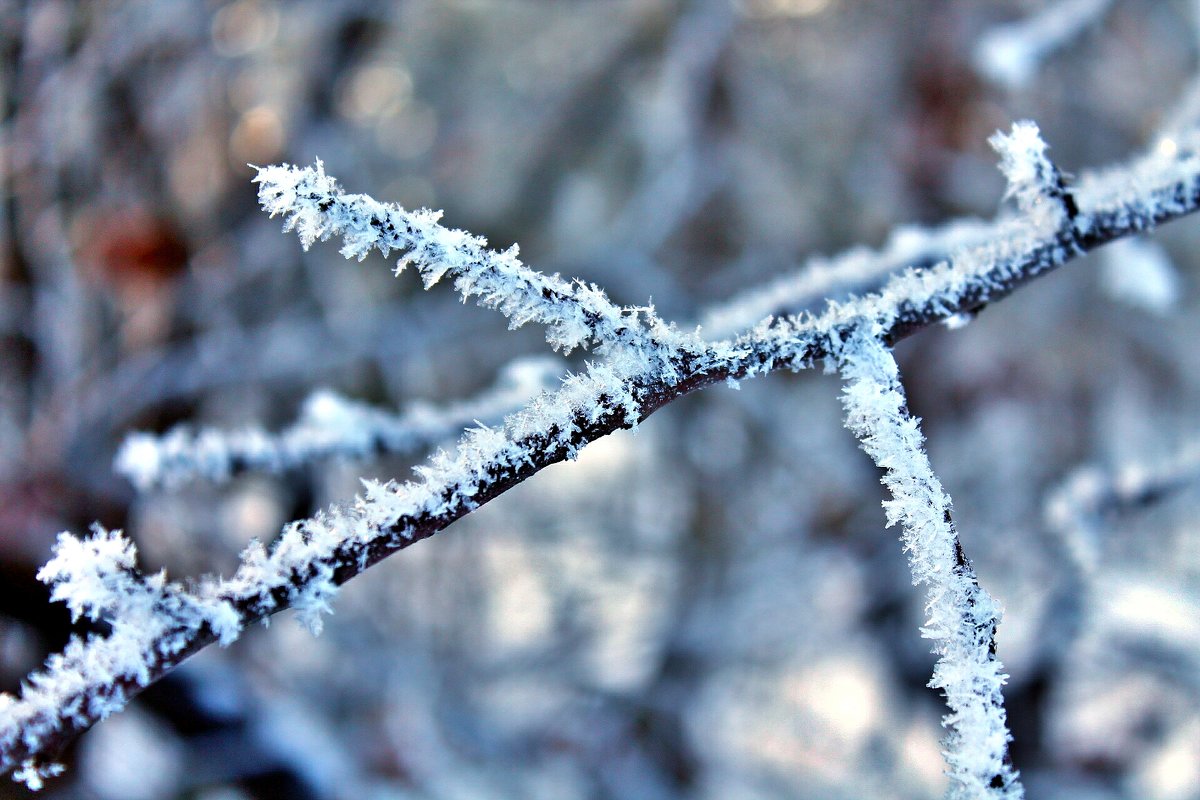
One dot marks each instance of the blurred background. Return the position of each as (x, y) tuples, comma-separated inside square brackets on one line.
[(709, 608)]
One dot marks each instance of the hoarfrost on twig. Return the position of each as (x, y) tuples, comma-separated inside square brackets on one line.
[(330, 426), (961, 616), (576, 314)]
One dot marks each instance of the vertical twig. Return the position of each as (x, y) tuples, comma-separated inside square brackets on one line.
[(961, 616)]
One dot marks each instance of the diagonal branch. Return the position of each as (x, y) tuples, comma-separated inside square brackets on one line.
[(576, 314), (855, 270), (330, 426)]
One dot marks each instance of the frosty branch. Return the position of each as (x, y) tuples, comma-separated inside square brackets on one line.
[(330, 426), (646, 363), (962, 616)]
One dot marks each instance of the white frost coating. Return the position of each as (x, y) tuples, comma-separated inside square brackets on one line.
[(1033, 180), (1136, 188), (575, 314), (1131, 197), (97, 577), (849, 271), (979, 269), (1010, 54), (140, 459), (34, 775), (298, 570), (315, 599), (962, 617), (1139, 272), (93, 576), (1018, 247), (329, 426)]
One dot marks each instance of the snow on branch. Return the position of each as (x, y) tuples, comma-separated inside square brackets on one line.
[(1033, 179), (150, 620), (1079, 514), (962, 617), (576, 314), (1010, 54), (329, 426), (856, 269), (156, 625), (1101, 207)]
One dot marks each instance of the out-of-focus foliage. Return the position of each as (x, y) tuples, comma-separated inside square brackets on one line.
[(709, 608)]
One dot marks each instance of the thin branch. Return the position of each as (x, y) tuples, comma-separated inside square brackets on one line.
[(575, 314), (330, 426), (1066, 223), (962, 617), (860, 268), (1078, 514)]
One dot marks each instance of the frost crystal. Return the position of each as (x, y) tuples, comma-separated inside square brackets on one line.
[(93, 576), (855, 270), (34, 775)]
